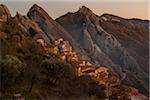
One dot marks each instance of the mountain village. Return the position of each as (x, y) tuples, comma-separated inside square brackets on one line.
[(82, 67), (101, 74)]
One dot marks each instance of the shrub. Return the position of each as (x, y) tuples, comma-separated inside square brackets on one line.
[(11, 68), (58, 70)]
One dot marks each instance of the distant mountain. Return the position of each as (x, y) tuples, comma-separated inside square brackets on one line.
[(117, 43)]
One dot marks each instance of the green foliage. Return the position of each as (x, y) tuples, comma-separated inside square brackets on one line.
[(58, 70), (11, 68)]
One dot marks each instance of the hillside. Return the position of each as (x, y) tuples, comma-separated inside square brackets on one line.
[(79, 55)]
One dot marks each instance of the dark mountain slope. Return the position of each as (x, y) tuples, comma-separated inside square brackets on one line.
[(133, 34)]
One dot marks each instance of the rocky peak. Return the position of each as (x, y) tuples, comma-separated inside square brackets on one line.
[(4, 13), (18, 16), (86, 11), (29, 26), (41, 17), (39, 11), (89, 16), (22, 18), (35, 7)]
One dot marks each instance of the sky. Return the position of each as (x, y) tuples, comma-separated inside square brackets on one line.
[(57, 8)]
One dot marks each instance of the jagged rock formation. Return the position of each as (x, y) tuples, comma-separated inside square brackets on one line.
[(51, 27), (89, 30), (30, 27), (4, 13)]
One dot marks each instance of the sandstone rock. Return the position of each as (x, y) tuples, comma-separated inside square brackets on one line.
[(4, 13)]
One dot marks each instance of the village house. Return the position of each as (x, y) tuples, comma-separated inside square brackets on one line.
[(89, 71), (86, 66), (57, 42), (48, 47), (74, 58), (63, 57), (41, 41), (66, 51), (55, 50), (103, 19), (64, 46), (115, 20), (101, 73), (40, 38), (71, 57), (82, 63), (79, 73)]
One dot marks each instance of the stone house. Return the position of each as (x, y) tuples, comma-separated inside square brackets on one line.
[(41, 41), (63, 57), (65, 47)]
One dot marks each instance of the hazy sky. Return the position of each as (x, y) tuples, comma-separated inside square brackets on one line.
[(123, 8)]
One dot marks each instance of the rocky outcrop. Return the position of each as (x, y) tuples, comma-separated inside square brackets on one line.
[(52, 28), (30, 27), (87, 29), (4, 13)]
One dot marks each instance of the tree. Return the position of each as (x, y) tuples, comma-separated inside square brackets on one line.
[(57, 70), (11, 68)]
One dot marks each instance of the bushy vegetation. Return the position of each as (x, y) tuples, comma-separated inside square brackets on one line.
[(11, 68)]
